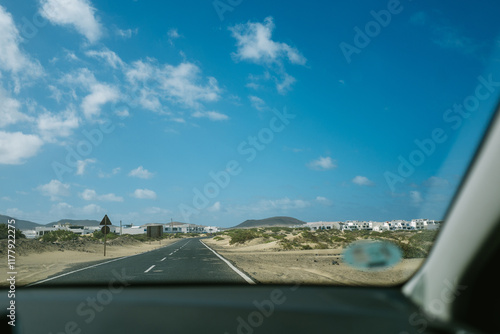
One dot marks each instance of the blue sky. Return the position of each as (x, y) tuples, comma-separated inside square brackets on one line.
[(211, 113)]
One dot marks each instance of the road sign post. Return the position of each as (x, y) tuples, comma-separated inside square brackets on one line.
[(105, 229)]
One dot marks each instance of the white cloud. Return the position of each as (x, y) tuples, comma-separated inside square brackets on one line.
[(324, 201), (150, 99), (99, 96), (258, 103), (109, 56), (173, 34), (122, 113), (214, 208), (435, 181), (140, 172), (416, 197), (180, 84), (52, 125), (448, 37), (92, 209), (144, 194), (115, 171), (70, 55), (126, 33), (99, 93), (11, 57), (82, 164), (80, 14), (281, 204), (91, 195), (293, 149), (66, 210), (211, 115), (444, 35), (255, 44), (14, 212), (322, 163), (62, 209), (54, 189), (362, 181), (9, 110), (285, 84), (156, 211), (16, 147)]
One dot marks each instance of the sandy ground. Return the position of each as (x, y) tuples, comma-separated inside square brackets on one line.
[(34, 267), (268, 265)]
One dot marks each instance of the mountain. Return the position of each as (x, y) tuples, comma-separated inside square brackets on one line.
[(27, 225), (76, 222), (273, 221), (20, 224)]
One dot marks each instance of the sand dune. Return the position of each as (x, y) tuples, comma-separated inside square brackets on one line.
[(266, 263)]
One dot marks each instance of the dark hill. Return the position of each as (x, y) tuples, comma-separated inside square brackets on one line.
[(20, 224), (273, 221), (77, 222)]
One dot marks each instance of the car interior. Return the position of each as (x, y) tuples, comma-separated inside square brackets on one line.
[(454, 291)]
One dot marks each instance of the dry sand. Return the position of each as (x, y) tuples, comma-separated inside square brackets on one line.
[(266, 263), (34, 267)]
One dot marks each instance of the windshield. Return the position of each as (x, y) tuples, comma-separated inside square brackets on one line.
[(236, 141)]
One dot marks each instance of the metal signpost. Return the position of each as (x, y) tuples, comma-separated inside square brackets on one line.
[(105, 229)]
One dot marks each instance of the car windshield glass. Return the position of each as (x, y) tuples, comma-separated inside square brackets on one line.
[(236, 141)]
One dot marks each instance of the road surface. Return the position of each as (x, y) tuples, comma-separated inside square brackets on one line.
[(185, 261)]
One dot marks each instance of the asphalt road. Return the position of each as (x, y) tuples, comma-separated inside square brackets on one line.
[(185, 261)]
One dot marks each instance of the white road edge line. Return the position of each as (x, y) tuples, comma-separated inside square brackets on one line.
[(150, 268), (95, 265), (74, 271), (239, 272)]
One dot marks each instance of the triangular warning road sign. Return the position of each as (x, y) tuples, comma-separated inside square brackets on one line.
[(105, 221)]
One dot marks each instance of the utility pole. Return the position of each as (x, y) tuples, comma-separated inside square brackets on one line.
[(121, 230)]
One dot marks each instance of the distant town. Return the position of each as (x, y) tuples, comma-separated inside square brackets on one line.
[(178, 227)]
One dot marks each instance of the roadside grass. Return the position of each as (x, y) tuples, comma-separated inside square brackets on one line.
[(413, 244)]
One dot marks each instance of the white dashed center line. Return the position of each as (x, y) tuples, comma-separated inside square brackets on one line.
[(150, 268)]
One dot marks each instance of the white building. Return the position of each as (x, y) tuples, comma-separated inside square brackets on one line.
[(420, 224), (355, 225), (30, 234), (321, 225), (80, 230), (380, 227), (129, 229), (433, 225)]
